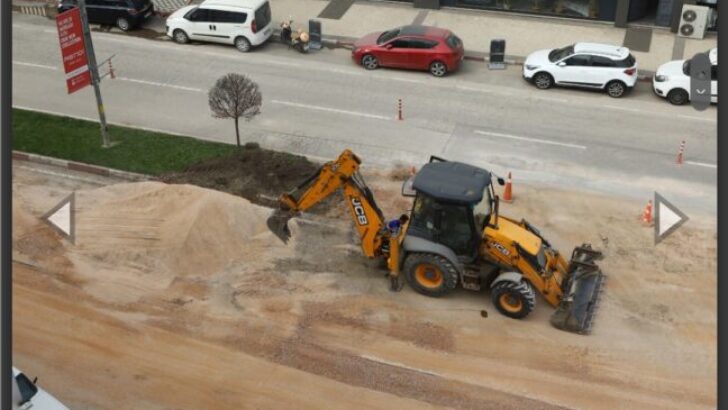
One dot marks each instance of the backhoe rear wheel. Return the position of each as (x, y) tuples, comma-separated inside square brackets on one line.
[(430, 274), (515, 300)]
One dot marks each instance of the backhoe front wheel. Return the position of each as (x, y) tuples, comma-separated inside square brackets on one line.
[(429, 274), (514, 299)]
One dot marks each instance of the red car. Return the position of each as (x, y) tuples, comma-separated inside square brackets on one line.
[(414, 47)]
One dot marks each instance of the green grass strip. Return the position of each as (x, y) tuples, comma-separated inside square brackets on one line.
[(137, 150)]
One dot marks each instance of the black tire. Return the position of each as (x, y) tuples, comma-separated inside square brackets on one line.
[(180, 37), (515, 300), (242, 44), (616, 88), (430, 274), (370, 62), (543, 81), (123, 24), (438, 68), (678, 96)]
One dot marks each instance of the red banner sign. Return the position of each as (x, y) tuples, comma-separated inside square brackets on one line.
[(73, 50)]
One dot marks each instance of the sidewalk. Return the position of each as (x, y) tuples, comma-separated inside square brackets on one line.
[(523, 33)]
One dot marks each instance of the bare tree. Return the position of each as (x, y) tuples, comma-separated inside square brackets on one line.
[(235, 96)]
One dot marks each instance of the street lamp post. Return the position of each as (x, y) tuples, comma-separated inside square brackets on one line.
[(95, 79)]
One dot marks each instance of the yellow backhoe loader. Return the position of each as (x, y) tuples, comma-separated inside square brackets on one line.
[(455, 236)]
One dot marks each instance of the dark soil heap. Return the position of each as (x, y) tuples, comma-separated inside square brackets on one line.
[(256, 174)]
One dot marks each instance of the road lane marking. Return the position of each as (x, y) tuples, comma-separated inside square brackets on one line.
[(690, 117), (409, 80), (644, 111), (177, 87), (702, 164), (47, 67), (553, 99), (336, 110), (478, 89), (540, 141)]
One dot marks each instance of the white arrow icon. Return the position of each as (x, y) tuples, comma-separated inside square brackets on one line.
[(62, 217), (667, 218), (701, 92)]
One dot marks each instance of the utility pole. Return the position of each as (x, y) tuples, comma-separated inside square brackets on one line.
[(95, 79)]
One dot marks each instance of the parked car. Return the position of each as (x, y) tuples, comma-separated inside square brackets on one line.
[(27, 395), (243, 23), (413, 47), (125, 14), (672, 80), (586, 65)]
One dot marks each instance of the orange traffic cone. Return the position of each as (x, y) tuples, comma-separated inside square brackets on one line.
[(681, 154), (647, 213), (508, 191)]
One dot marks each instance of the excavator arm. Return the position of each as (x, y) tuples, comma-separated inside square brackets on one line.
[(341, 174)]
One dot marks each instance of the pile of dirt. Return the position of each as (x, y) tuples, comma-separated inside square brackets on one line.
[(147, 235), (256, 174)]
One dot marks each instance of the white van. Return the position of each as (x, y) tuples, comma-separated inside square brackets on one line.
[(243, 23), (27, 395)]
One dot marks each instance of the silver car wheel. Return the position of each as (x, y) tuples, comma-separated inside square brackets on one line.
[(542, 81), (181, 37), (242, 44), (615, 89), (369, 62), (438, 69)]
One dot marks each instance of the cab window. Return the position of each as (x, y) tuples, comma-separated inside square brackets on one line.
[(198, 14), (456, 230), (580, 60), (599, 61), (401, 43), (423, 217), (447, 224)]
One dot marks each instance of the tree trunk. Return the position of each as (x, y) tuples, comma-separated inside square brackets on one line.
[(237, 132)]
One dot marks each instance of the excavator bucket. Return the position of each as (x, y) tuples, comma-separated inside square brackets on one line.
[(581, 290), (278, 224)]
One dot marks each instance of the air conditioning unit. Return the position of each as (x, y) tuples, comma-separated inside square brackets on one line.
[(693, 21)]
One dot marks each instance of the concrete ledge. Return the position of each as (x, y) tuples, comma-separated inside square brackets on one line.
[(79, 166), (33, 9)]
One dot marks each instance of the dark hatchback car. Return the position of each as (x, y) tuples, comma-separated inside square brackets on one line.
[(125, 14)]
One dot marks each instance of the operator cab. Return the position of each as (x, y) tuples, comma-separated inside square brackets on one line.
[(453, 202)]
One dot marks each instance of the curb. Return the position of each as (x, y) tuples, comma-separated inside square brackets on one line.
[(347, 42), (33, 10), (79, 166)]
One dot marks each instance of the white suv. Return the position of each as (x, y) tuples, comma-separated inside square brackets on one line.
[(587, 65), (672, 80), (243, 23)]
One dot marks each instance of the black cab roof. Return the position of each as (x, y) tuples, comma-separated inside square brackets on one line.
[(452, 182)]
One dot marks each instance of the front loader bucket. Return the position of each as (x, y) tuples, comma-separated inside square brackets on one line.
[(581, 292), (278, 224)]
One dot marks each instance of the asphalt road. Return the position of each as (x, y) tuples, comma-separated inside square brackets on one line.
[(320, 103)]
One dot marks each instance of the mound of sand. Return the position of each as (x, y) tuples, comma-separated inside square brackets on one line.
[(131, 236)]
